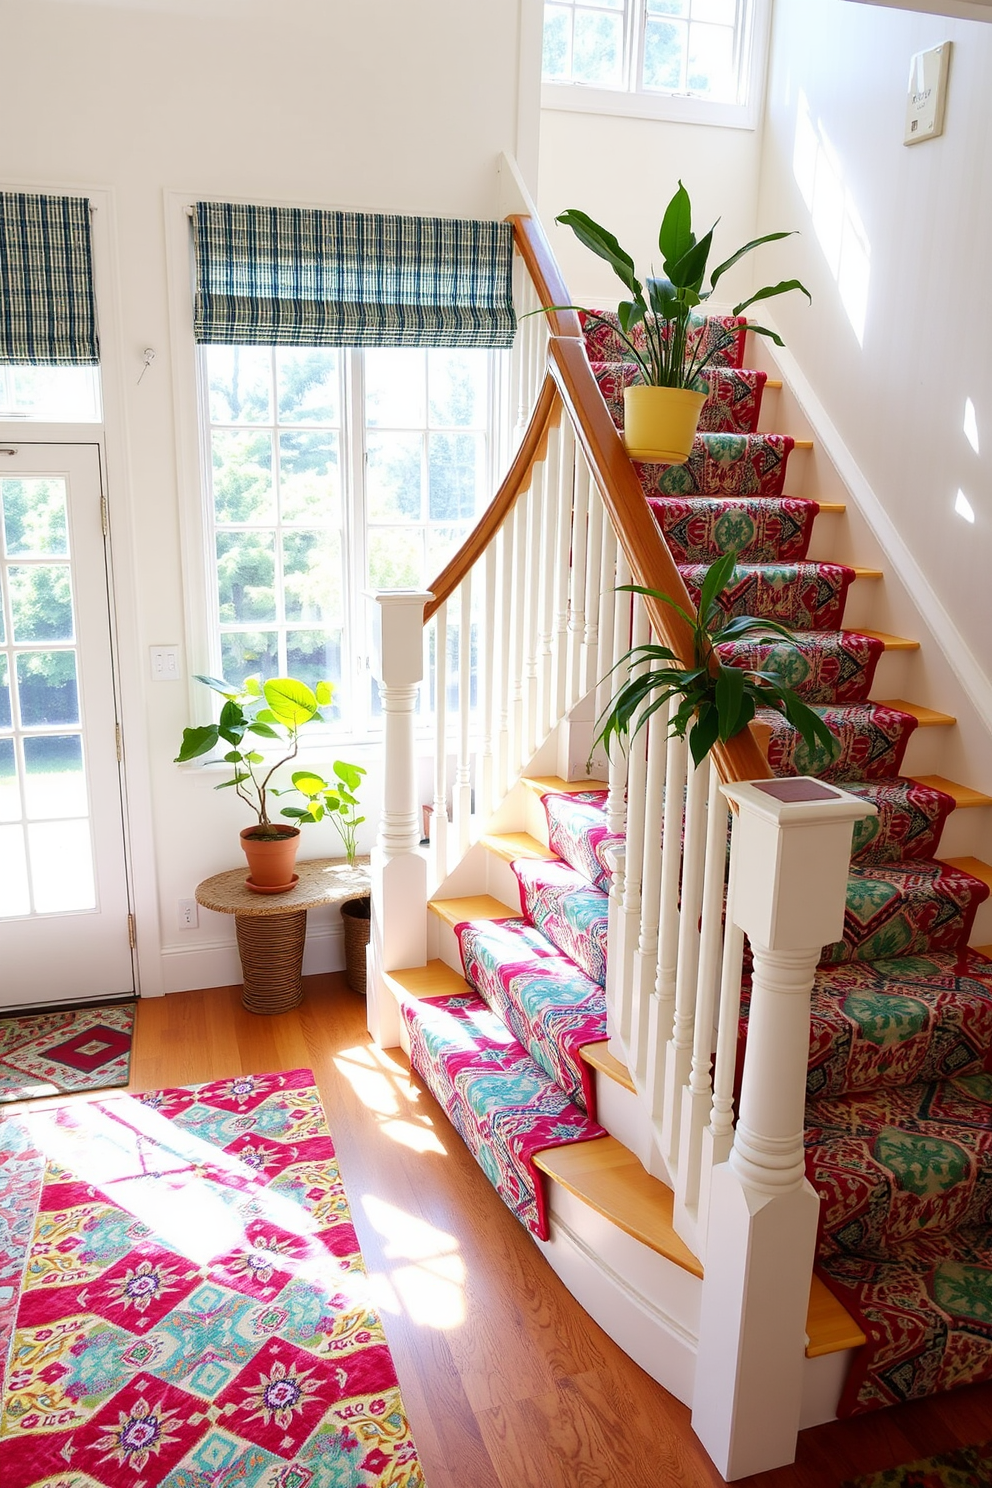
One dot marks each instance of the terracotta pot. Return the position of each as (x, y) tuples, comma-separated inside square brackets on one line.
[(270, 859), (660, 423)]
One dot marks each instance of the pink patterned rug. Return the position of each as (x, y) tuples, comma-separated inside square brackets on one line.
[(64, 1052), (183, 1302)]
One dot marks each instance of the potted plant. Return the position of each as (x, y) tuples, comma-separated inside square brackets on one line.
[(339, 801), (661, 411), (273, 710), (717, 701)]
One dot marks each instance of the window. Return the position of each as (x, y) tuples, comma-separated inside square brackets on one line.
[(57, 395), (335, 471), (692, 59)]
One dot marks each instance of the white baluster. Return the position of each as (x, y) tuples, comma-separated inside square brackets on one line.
[(546, 587), (697, 1096), (504, 590), (645, 968), (518, 623), (399, 873), (439, 814), (566, 486), (616, 819), (679, 1054), (628, 927), (605, 682), (588, 673), (577, 579), (533, 579), (462, 796), (718, 1137), (662, 1011), (487, 672)]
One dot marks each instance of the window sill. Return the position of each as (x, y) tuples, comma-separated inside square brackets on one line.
[(668, 107)]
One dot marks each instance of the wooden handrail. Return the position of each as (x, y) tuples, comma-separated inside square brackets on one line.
[(535, 250), (547, 413), (639, 535)]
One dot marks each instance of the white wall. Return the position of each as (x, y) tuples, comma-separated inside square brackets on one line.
[(624, 171), (397, 107), (897, 396)]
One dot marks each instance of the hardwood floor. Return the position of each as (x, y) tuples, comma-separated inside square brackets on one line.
[(506, 1380)]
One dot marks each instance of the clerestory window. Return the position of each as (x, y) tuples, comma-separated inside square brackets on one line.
[(690, 59)]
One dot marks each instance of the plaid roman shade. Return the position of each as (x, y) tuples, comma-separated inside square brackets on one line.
[(286, 276), (46, 281)]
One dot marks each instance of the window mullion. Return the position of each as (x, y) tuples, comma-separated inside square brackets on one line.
[(635, 27), (354, 521)]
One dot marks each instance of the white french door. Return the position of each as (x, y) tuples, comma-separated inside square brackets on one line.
[(64, 913)]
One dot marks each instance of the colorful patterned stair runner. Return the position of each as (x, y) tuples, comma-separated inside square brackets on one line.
[(900, 1070)]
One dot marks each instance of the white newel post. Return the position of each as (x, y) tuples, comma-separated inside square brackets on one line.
[(791, 850), (399, 870)]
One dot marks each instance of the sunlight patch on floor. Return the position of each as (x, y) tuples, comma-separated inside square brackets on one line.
[(385, 1090), (430, 1281)]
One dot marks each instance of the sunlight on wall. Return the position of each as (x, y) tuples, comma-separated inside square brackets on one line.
[(431, 1287), (970, 424), (963, 507), (836, 221)]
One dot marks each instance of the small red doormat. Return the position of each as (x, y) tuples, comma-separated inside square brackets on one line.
[(193, 1307), (64, 1053), (971, 1467)]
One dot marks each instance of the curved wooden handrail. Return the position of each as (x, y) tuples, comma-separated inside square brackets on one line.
[(535, 250), (651, 562), (547, 412)]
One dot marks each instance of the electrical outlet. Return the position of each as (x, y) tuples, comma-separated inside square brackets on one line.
[(188, 918)]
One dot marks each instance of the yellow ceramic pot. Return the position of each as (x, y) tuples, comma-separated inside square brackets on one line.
[(659, 423)]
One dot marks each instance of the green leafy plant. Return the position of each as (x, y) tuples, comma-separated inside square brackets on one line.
[(671, 356), (273, 710), (339, 801), (717, 701)]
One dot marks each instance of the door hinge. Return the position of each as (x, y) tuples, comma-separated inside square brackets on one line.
[(132, 938), (119, 742), (104, 515)]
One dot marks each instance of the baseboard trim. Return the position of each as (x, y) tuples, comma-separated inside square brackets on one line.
[(216, 963)]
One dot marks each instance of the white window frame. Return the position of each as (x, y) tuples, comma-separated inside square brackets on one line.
[(633, 101), (355, 626)]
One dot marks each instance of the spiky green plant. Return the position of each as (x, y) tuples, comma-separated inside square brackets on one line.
[(716, 701)]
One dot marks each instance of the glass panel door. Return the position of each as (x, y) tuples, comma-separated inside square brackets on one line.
[(63, 888)]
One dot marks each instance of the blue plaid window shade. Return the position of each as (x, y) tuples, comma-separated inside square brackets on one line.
[(286, 276), (47, 314)]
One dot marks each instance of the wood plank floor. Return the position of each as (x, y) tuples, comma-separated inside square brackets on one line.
[(508, 1383)]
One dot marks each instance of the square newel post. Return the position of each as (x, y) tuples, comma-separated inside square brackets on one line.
[(791, 850), (398, 869)]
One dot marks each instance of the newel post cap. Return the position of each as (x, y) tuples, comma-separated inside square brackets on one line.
[(792, 840), (397, 630)]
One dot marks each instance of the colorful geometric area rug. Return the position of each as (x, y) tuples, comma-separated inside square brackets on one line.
[(971, 1467), (183, 1302), (65, 1052)]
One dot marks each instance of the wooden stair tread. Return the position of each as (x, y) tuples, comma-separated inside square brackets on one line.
[(803, 444), (832, 506), (974, 866), (867, 573), (927, 717), (600, 1058), (607, 1176), (472, 907), (542, 784), (436, 979), (890, 642), (985, 950), (773, 384), (510, 845), (829, 1326), (964, 795)]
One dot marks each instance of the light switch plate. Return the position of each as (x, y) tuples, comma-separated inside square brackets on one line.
[(165, 663), (926, 95)]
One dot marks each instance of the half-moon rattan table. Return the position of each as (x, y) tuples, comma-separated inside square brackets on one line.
[(272, 928)]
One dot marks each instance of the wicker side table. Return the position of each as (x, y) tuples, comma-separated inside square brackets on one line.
[(271, 928)]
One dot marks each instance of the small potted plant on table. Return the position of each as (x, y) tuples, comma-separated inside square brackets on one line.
[(338, 800), (274, 710)]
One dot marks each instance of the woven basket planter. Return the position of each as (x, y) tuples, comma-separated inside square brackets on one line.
[(356, 916)]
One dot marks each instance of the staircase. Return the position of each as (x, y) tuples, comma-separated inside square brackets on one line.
[(598, 1016)]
